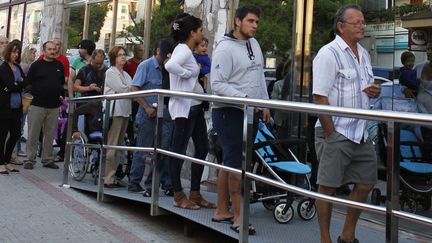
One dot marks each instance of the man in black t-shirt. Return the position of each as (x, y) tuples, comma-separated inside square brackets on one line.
[(46, 77), (91, 78)]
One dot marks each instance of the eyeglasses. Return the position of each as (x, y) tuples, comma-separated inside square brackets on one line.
[(121, 55), (356, 24)]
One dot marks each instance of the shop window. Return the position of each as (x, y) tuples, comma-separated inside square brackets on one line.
[(16, 22), (32, 22), (3, 21)]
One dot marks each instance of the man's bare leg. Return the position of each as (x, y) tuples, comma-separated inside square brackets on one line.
[(359, 194), (222, 210), (234, 192), (324, 211)]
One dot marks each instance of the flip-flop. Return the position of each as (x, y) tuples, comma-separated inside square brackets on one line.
[(236, 228), (14, 170), (223, 221)]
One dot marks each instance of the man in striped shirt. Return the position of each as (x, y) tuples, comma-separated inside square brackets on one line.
[(342, 76)]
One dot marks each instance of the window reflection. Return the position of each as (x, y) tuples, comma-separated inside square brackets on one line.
[(16, 22), (3, 21), (32, 22)]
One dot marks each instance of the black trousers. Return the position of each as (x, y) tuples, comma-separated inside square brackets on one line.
[(12, 126)]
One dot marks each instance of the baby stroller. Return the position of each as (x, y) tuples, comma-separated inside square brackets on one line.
[(275, 159), (415, 167)]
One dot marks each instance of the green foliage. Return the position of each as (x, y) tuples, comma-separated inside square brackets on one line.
[(275, 26), (162, 17), (396, 11), (98, 12), (276, 23)]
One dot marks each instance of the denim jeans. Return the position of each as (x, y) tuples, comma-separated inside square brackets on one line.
[(185, 128), (145, 138)]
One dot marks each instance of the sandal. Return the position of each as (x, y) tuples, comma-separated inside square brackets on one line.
[(339, 240), (181, 201), (196, 198), (228, 220), (11, 169), (236, 228)]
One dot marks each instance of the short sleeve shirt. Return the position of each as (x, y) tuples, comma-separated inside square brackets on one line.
[(88, 75), (340, 76), (148, 76), (78, 64)]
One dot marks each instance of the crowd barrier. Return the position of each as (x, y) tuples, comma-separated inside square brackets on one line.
[(393, 119)]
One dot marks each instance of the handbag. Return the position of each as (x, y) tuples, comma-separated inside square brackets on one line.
[(26, 102)]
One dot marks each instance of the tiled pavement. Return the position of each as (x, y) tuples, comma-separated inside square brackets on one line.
[(35, 209)]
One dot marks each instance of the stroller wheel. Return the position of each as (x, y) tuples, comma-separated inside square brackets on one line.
[(306, 209), (270, 204), (409, 205), (283, 213), (376, 196)]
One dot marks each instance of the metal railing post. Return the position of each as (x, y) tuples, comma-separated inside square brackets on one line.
[(102, 157), (392, 200), (154, 207), (71, 109), (246, 164)]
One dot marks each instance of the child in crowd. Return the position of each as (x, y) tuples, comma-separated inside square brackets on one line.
[(203, 61), (408, 76)]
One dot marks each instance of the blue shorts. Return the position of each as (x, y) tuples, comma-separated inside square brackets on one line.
[(228, 123)]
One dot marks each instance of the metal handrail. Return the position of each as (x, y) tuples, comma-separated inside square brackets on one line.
[(381, 115), (389, 116), (291, 188)]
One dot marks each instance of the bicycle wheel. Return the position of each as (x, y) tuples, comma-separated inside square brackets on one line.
[(78, 160)]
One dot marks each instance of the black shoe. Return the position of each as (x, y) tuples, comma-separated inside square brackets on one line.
[(339, 240), (147, 193), (169, 192), (114, 185), (135, 188)]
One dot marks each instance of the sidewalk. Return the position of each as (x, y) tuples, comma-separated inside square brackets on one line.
[(36, 209)]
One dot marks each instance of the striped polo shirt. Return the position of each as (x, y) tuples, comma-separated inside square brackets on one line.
[(339, 76)]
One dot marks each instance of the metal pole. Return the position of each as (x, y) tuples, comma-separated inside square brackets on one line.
[(102, 157), (232, 7), (392, 200), (154, 207), (71, 109), (147, 27), (114, 24), (246, 181), (86, 20)]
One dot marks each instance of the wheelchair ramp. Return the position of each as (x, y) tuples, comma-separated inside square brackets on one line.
[(268, 230)]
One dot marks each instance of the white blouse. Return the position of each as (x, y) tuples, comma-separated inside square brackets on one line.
[(183, 73)]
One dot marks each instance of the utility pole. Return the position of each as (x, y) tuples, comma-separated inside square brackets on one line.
[(147, 27), (232, 7), (114, 24), (86, 20)]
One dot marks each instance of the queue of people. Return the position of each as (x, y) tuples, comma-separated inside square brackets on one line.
[(342, 77)]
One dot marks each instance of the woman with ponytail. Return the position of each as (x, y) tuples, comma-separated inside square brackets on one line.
[(188, 114)]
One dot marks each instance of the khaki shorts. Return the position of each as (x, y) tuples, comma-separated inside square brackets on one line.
[(342, 161)]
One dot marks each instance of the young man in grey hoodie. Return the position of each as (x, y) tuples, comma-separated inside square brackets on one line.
[(236, 71)]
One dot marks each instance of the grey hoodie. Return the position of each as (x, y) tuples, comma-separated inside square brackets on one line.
[(237, 70)]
